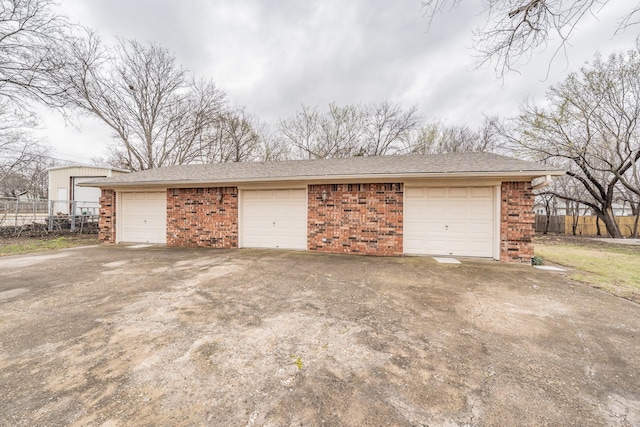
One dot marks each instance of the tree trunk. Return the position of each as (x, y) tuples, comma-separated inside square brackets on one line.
[(609, 222), (546, 224), (575, 216)]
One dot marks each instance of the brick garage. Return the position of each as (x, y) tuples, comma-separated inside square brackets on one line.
[(355, 218), (338, 213)]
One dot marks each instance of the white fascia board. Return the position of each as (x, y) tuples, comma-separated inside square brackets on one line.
[(328, 179)]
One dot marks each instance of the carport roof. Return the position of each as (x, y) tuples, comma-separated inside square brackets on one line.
[(453, 165)]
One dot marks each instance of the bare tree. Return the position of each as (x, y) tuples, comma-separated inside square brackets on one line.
[(301, 132), (271, 145), (31, 177), (272, 148), (340, 132), (242, 133), (633, 200), (515, 30), (571, 205), (547, 202), (235, 137), (437, 137), (350, 130), (32, 40), (158, 115), (387, 128), (18, 149), (590, 128)]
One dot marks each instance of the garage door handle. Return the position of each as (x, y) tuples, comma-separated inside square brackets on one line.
[(446, 227), (274, 223)]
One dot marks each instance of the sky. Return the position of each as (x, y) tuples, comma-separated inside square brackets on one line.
[(273, 56)]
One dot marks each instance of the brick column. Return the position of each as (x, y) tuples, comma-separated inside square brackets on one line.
[(195, 217), (107, 220), (517, 222), (356, 218)]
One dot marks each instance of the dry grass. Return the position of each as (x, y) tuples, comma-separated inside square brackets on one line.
[(612, 267), (24, 245)]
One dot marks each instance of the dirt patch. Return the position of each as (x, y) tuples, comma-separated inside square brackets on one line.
[(114, 336)]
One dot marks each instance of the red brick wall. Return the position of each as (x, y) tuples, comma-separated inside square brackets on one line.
[(107, 220), (196, 218), (356, 218), (517, 222)]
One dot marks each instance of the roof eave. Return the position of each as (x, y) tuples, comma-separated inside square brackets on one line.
[(324, 178), (82, 165)]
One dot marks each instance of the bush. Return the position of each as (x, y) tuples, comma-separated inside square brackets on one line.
[(536, 260)]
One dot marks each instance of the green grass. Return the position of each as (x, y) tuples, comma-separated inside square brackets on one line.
[(29, 245), (614, 268), (298, 361)]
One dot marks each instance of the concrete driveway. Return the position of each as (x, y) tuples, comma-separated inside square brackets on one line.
[(117, 336)]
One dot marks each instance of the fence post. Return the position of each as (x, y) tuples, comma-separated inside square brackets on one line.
[(51, 202), (15, 222), (73, 215)]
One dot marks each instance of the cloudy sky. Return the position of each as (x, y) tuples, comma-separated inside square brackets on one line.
[(272, 56)]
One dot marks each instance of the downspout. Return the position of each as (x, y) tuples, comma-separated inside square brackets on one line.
[(547, 181)]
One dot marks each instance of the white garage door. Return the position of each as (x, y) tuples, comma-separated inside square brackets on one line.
[(449, 221), (274, 219), (143, 217)]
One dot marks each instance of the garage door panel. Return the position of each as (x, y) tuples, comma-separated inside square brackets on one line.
[(481, 226), (458, 247), (478, 249), (449, 221), (458, 211), (410, 193), (458, 193), (434, 209), (485, 192), (432, 246), (143, 217), (274, 219), (434, 192)]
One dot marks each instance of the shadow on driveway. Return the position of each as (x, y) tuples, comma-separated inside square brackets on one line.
[(115, 336)]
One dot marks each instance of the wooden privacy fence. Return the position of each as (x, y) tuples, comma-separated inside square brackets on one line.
[(556, 224), (585, 225)]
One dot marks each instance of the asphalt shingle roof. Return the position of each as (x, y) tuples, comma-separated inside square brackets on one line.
[(388, 167)]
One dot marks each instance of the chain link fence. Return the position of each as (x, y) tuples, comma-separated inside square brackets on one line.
[(40, 217)]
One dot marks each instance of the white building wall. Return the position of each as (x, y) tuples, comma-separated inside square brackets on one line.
[(61, 180)]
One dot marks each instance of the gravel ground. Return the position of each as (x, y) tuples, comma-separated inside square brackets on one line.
[(155, 336)]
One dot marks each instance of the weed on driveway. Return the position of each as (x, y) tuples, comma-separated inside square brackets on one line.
[(163, 336)]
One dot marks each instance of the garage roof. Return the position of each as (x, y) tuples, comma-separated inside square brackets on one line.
[(82, 165), (386, 167)]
